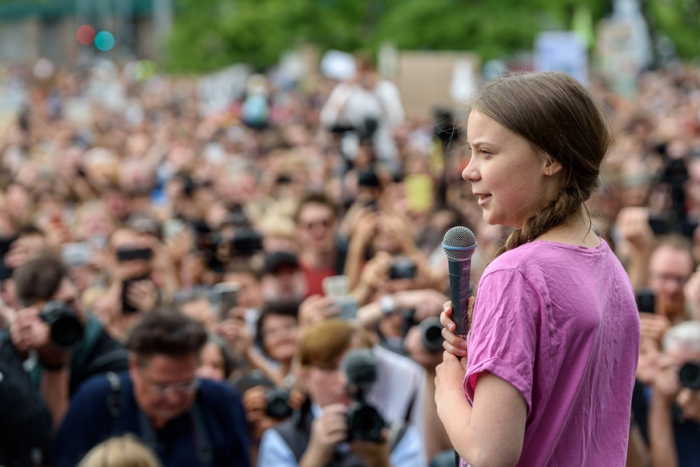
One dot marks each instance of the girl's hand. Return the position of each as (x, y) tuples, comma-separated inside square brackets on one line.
[(449, 380), (453, 344)]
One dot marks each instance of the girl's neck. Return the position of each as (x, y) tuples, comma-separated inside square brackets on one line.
[(576, 231)]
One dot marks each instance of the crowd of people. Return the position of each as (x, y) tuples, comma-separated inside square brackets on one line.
[(262, 285)]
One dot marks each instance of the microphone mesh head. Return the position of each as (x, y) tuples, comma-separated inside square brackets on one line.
[(459, 237), (361, 367)]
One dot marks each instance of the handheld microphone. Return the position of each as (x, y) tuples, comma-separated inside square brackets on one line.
[(459, 245)]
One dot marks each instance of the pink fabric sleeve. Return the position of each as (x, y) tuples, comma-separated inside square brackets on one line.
[(504, 337)]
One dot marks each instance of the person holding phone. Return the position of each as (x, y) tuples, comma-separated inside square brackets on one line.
[(132, 261), (547, 369)]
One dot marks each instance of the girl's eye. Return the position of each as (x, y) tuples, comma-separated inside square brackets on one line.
[(485, 152)]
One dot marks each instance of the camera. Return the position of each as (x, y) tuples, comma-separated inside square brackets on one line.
[(246, 242), (364, 421), (689, 375), (66, 328), (402, 268), (133, 254), (368, 127), (278, 404), (645, 299), (277, 398), (430, 331)]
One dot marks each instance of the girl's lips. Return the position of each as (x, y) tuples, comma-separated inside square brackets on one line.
[(483, 199)]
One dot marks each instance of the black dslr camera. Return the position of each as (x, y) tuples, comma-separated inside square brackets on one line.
[(403, 268), (690, 375), (277, 398), (430, 330), (278, 404), (364, 421), (66, 329)]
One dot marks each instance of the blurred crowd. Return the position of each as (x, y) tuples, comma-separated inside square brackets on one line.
[(261, 285)]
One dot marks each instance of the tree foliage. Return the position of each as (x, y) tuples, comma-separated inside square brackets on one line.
[(679, 20), (212, 33)]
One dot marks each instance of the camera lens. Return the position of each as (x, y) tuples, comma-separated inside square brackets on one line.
[(431, 332), (689, 375), (66, 328), (364, 422), (278, 404)]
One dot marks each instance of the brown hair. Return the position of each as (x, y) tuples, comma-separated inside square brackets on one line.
[(321, 344), (124, 451), (560, 119), (39, 279), (168, 333), (281, 308), (315, 198)]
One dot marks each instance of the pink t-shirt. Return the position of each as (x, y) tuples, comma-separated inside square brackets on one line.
[(559, 323)]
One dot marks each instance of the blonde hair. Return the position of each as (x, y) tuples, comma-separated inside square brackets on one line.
[(324, 342), (124, 451)]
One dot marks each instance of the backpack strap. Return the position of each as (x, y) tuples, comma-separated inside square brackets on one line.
[(201, 437), (105, 360), (397, 431), (115, 398)]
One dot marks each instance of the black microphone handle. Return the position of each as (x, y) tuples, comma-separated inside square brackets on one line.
[(459, 294)]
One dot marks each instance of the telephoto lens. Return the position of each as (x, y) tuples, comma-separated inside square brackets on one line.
[(690, 375), (278, 404), (364, 421), (431, 332), (66, 328)]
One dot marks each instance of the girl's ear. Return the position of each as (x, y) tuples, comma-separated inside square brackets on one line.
[(552, 167)]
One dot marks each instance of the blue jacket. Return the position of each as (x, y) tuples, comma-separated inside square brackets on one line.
[(88, 423)]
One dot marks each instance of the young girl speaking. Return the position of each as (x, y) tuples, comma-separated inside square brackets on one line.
[(553, 346)]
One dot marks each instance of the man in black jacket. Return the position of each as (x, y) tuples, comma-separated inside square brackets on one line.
[(41, 281), (25, 422)]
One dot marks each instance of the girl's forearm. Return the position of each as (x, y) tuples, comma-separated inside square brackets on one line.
[(455, 414)]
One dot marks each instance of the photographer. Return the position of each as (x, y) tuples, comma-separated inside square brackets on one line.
[(366, 107), (674, 413), (62, 344), (25, 421), (137, 265), (317, 434)]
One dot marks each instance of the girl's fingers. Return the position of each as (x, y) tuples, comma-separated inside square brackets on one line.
[(456, 351), (454, 339), (446, 321)]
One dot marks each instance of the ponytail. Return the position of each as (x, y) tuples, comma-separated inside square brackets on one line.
[(567, 203)]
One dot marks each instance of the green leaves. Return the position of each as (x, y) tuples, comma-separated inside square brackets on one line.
[(210, 34)]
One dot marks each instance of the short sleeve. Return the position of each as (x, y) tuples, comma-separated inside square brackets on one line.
[(504, 336)]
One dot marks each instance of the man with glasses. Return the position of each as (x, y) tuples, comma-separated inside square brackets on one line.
[(320, 254), (185, 421), (669, 268)]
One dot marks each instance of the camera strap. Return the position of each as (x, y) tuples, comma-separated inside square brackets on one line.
[(115, 399), (199, 434), (115, 406), (397, 430)]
